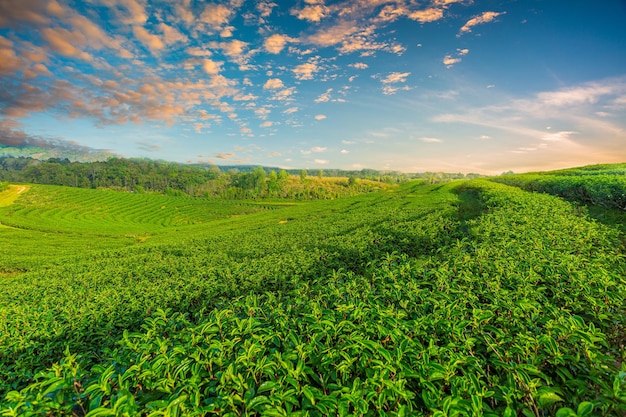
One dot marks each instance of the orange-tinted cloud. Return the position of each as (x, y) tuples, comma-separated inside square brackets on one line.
[(276, 43), (313, 13), (273, 84), (13, 13), (64, 42), (129, 12), (151, 41), (485, 17), (305, 71), (211, 67), (171, 35), (427, 15), (216, 15), (9, 62)]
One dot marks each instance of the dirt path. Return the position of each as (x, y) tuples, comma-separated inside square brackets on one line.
[(8, 197)]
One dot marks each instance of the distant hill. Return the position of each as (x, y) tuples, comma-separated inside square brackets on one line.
[(41, 153)]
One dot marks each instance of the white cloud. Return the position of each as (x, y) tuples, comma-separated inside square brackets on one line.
[(359, 65), (314, 149), (588, 94), (321, 161), (558, 136), (320, 117), (345, 151), (291, 110), (431, 140)]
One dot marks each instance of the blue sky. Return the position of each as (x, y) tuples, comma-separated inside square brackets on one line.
[(435, 85)]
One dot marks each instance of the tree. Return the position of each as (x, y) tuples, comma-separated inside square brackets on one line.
[(258, 179), (303, 175)]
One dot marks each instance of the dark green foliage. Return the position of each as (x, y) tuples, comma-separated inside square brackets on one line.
[(601, 185), (142, 175), (465, 299)]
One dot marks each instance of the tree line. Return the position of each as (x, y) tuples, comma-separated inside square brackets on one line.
[(234, 182)]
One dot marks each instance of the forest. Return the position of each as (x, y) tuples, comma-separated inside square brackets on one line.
[(233, 182)]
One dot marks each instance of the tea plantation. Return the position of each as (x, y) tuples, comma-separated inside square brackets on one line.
[(467, 298)]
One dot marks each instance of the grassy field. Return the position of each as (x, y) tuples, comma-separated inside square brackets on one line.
[(466, 298)]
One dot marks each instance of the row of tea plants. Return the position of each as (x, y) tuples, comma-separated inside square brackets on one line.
[(601, 185)]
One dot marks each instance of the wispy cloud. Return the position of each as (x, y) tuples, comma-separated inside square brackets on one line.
[(485, 17), (324, 97), (225, 155), (391, 80), (395, 77), (291, 110), (314, 149)]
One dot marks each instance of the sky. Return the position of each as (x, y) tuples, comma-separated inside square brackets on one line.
[(480, 86)]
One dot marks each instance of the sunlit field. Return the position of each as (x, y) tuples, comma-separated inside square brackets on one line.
[(469, 297)]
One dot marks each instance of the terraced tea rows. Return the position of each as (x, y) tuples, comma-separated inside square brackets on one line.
[(51, 208)]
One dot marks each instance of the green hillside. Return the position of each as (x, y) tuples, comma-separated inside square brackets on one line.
[(464, 298)]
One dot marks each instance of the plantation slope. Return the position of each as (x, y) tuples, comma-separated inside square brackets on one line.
[(105, 212), (24, 250), (471, 298), (51, 224), (8, 196), (86, 303)]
